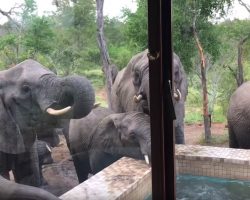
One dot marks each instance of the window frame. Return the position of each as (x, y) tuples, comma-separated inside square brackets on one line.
[(160, 72)]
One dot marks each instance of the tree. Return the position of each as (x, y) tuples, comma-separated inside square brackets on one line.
[(236, 33), (38, 37), (196, 15), (103, 49), (136, 26)]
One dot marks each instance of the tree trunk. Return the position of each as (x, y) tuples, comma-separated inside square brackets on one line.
[(206, 115), (240, 75), (103, 49)]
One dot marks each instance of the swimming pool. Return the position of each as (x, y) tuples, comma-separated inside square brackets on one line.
[(208, 188)]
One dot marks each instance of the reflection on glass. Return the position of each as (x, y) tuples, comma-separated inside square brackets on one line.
[(213, 163)]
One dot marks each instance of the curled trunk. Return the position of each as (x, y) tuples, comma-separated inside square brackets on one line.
[(67, 97)]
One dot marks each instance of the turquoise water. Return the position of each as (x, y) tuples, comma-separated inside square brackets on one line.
[(207, 188)]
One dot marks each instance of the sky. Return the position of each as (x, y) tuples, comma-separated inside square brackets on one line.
[(112, 8)]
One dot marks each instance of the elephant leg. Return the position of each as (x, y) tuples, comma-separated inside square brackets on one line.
[(179, 123), (232, 138), (100, 160), (179, 135), (81, 163), (26, 168), (5, 164)]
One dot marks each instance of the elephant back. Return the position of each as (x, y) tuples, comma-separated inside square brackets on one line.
[(80, 130)]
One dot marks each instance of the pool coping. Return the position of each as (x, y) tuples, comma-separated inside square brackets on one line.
[(211, 161), (125, 179)]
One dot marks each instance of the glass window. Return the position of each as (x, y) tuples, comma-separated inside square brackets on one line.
[(75, 112)]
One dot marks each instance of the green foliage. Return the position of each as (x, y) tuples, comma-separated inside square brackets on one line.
[(38, 37), (8, 50), (184, 12), (136, 28)]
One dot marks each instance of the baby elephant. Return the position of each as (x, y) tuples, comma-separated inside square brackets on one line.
[(44, 157), (103, 137)]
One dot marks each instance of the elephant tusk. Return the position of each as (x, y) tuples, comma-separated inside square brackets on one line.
[(137, 98), (49, 149), (177, 95), (96, 105), (52, 111), (146, 159)]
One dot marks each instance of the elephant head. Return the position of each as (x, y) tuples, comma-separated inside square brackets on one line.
[(140, 77), (124, 134), (31, 94), (179, 79), (130, 91)]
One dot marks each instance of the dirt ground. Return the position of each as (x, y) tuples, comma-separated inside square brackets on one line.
[(61, 175), (194, 133)]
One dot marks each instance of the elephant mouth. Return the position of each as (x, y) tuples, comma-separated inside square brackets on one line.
[(142, 100), (59, 108)]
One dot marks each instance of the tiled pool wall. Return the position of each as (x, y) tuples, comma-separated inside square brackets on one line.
[(213, 161), (129, 179), (126, 179)]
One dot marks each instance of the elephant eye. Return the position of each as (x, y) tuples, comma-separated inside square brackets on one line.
[(132, 135), (25, 88), (137, 78)]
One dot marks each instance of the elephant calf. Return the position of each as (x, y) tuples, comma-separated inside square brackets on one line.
[(103, 137), (44, 157)]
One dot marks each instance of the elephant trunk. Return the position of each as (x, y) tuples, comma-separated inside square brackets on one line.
[(67, 97), (79, 94), (14, 191)]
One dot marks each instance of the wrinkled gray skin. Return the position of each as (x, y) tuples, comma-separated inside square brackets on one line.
[(133, 81), (26, 91), (13, 191), (180, 83), (238, 117), (101, 138), (44, 157), (51, 136)]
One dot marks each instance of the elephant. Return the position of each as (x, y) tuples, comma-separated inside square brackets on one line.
[(50, 135), (10, 190), (44, 157), (180, 85), (31, 95), (130, 90), (103, 137), (238, 117)]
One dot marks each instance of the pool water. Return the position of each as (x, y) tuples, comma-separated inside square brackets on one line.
[(208, 188)]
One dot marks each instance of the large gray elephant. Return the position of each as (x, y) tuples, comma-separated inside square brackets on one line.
[(30, 94), (238, 117), (103, 137), (14, 191), (130, 91)]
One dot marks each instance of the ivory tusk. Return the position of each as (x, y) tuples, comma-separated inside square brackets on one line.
[(52, 111), (137, 98), (96, 105), (49, 149), (146, 159), (179, 93)]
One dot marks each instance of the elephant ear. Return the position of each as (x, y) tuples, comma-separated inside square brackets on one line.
[(107, 136), (11, 140)]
